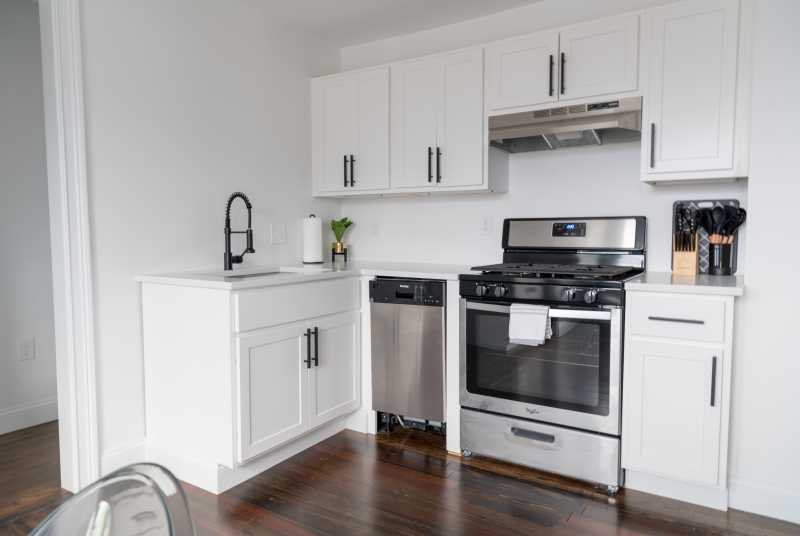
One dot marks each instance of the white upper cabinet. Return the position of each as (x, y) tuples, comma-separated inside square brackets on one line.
[(416, 103), (579, 62), (350, 131), (460, 135), (690, 102), (522, 71), (599, 58), (437, 122)]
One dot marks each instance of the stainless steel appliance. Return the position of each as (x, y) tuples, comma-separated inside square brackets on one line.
[(408, 347), (595, 123), (555, 406)]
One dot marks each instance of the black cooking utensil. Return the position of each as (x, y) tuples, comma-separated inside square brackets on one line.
[(718, 217)]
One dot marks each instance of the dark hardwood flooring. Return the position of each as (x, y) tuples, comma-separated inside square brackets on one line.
[(402, 484)]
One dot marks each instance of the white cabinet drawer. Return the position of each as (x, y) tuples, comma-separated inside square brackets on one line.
[(694, 318), (271, 306)]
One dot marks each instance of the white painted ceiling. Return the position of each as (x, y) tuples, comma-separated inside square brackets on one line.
[(349, 22)]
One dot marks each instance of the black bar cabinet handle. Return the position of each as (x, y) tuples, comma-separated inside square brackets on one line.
[(352, 180), (713, 381), (344, 171), (550, 84), (307, 360), (430, 164), (652, 145), (563, 62), (530, 434), (676, 320), (438, 164), (316, 346)]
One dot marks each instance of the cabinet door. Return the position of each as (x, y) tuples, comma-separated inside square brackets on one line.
[(599, 58), (689, 105), (371, 164), (522, 71), (416, 101), (273, 380), (335, 387), (334, 131), (460, 139), (671, 414)]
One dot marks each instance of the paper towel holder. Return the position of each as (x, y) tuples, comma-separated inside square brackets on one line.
[(320, 261)]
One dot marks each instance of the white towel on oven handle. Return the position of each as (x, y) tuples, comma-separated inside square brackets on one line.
[(529, 324)]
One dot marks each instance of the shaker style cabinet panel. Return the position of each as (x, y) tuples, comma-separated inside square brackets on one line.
[(350, 131), (522, 71), (437, 122), (273, 385), (582, 61), (460, 137), (690, 100), (599, 58), (672, 410), (416, 104), (335, 389)]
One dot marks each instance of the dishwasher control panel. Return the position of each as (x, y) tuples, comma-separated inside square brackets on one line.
[(407, 291)]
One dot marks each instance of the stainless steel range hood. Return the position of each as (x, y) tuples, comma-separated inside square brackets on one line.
[(568, 126)]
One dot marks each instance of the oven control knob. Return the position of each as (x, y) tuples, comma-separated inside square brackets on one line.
[(500, 291), (480, 290), (568, 293), (590, 296)]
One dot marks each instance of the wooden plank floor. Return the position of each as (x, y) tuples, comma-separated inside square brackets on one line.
[(353, 484)]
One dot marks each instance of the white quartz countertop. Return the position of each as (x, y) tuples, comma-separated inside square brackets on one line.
[(264, 276), (725, 285)]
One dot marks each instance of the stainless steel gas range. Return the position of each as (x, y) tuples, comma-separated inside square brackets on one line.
[(553, 405)]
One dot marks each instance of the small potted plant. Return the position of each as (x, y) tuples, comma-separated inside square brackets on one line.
[(339, 227)]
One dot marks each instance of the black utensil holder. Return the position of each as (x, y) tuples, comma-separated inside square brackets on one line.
[(719, 259)]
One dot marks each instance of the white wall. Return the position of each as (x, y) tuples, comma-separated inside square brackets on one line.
[(765, 467), (466, 228), (540, 15), (186, 102), (28, 388)]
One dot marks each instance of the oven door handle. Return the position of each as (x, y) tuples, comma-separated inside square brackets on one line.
[(567, 314)]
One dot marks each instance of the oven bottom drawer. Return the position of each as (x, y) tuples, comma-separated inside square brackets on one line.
[(581, 455)]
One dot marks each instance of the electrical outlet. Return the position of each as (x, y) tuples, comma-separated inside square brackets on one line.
[(278, 233), (27, 349)]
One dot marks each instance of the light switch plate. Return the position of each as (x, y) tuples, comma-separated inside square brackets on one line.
[(27, 349), (278, 233)]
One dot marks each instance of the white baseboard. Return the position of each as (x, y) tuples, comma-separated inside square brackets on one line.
[(767, 501), (119, 457), (711, 497), (27, 415)]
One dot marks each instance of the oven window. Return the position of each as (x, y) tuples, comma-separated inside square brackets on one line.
[(569, 371)]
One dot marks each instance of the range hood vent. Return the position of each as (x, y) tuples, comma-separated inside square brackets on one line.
[(568, 126)]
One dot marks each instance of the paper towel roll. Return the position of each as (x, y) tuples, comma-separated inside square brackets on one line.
[(312, 239)]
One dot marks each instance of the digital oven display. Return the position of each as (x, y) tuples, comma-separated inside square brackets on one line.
[(569, 229)]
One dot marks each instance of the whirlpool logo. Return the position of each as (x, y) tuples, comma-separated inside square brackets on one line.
[(532, 411)]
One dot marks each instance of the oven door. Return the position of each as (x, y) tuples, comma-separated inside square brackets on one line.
[(573, 379)]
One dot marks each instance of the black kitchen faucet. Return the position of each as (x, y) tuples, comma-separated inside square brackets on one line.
[(231, 259)]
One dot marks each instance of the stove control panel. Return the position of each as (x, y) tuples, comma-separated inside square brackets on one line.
[(491, 291)]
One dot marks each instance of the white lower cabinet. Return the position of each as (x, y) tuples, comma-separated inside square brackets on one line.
[(676, 395), (295, 378), (238, 380), (334, 377), (672, 413)]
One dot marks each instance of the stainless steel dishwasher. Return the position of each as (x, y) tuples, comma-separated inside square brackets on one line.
[(408, 347)]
